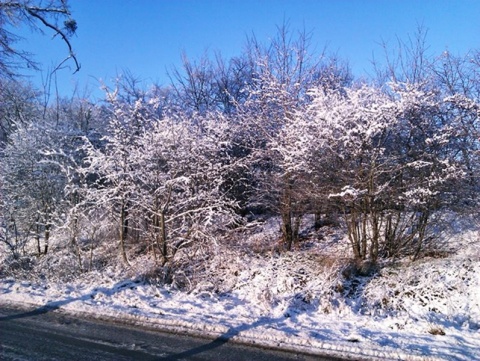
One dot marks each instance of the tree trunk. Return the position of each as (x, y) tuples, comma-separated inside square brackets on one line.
[(74, 243), (355, 232), (37, 236), (375, 224), (421, 228), (163, 231), (287, 229), (318, 220), (47, 237), (123, 233)]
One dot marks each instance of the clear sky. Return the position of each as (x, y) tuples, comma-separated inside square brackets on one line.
[(147, 37)]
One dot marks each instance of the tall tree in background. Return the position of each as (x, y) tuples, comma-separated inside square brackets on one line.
[(19, 106)]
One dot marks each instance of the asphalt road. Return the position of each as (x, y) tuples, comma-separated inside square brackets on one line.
[(41, 334)]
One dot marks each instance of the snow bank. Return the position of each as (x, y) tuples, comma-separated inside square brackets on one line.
[(302, 300)]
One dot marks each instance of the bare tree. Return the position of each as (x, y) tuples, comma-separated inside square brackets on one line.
[(408, 61), (193, 84), (41, 16)]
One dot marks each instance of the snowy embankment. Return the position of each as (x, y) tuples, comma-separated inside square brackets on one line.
[(305, 300)]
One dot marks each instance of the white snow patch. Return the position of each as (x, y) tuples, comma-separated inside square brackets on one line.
[(299, 300)]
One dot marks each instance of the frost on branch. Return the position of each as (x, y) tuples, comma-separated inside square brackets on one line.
[(158, 181), (386, 160)]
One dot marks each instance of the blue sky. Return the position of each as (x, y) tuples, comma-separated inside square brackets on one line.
[(147, 37)]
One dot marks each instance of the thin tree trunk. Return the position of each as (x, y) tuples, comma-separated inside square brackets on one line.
[(123, 234), (47, 236), (37, 236), (287, 229), (75, 245), (163, 234)]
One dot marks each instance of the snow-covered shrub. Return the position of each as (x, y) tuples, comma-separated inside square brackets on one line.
[(386, 159), (445, 290), (21, 267), (278, 283), (158, 183)]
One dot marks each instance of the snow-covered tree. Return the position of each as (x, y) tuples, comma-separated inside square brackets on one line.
[(20, 105), (387, 159), (181, 185), (113, 167), (160, 179), (283, 73), (39, 180), (32, 185)]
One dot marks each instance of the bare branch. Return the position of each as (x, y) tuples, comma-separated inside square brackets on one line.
[(38, 18), (55, 28)]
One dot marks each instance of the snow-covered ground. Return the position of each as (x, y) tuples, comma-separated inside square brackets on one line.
[(423, 310)]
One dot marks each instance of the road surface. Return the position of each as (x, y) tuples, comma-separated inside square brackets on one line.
[(41, 334)]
